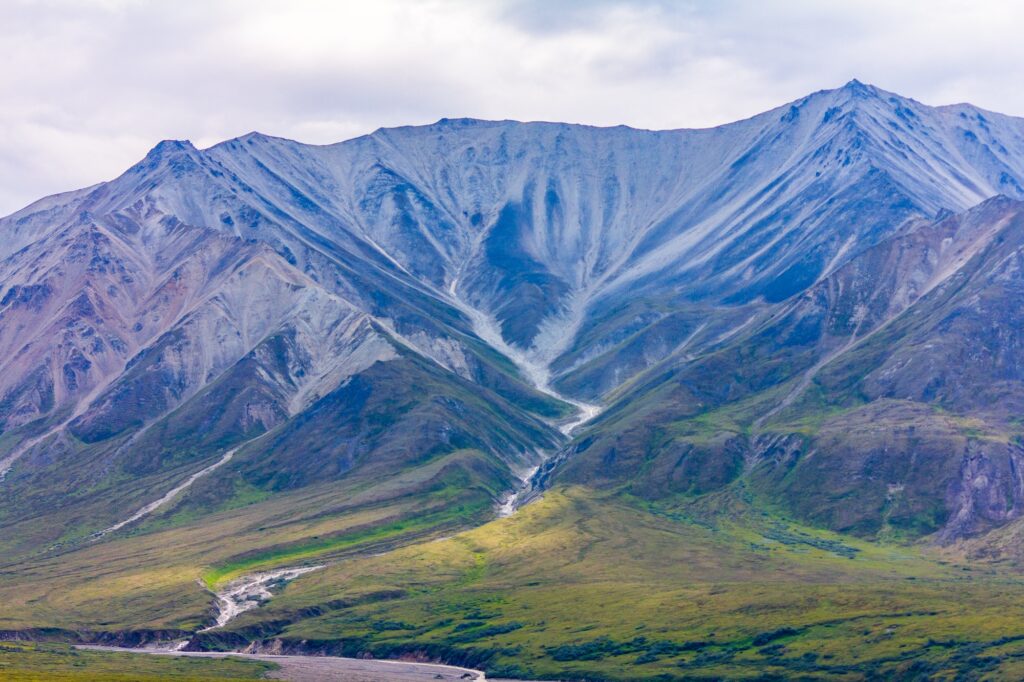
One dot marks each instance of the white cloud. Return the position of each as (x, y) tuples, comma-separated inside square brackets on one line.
[(90, 85)]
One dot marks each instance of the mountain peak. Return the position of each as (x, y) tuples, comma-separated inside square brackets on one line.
[(169, 147), (851, 92), (174, 153), (856, 89)]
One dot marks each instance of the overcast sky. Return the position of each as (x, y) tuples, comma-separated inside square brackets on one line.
[(88, 86)]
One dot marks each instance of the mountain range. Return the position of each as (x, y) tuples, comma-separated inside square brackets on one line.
[(297, 353)]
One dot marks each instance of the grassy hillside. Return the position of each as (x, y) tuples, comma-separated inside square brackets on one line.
[(581, 584), (155, 578), (591, 586)]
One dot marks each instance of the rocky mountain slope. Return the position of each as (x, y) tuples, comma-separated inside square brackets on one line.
[(735, 298), (882, 400)]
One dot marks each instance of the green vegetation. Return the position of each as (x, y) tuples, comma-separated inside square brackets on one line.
[(597, 586), (693, 545), (581, 584), (690, 566), (149, 579), (378, 429), (35, 662), (309, 549)]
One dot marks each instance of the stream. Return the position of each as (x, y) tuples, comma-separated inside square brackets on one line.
[(537, 372), (250, 591)]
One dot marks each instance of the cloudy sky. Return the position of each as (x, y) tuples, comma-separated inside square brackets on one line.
[(90, 85)]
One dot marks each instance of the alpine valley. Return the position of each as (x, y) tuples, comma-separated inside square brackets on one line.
[(547, 400)]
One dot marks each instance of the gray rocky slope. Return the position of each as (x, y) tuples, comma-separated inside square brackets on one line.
[(472, 284)]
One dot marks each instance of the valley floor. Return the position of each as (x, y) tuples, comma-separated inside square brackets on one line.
[(50, 662), (578, 585), (331, 668)]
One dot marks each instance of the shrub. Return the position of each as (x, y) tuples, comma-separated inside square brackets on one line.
[(763, 638)]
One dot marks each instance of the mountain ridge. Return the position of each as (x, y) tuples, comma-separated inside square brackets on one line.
[(556, 401), (553, 267)]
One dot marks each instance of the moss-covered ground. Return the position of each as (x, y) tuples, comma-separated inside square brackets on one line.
[(602, 587), (582, 584)]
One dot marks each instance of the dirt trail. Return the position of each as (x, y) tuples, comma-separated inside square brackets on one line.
[(170, 495)]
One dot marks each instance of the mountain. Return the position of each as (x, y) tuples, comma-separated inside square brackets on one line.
[(882, 399), (274, 352)]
